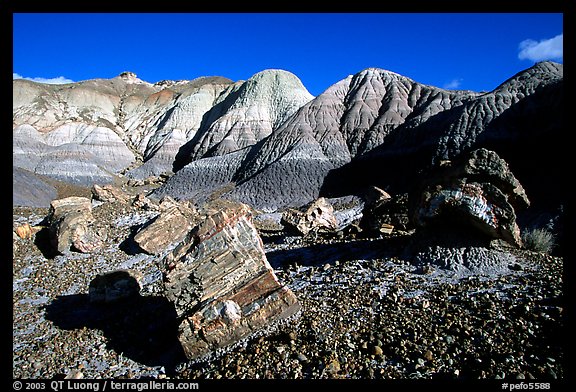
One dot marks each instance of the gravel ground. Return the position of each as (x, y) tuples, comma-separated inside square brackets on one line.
[(369, 312)]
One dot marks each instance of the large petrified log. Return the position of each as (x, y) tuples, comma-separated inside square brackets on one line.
[(72, 225), (477, 190), (222, 286)]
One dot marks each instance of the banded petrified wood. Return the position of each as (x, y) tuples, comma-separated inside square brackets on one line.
[(222, 286)]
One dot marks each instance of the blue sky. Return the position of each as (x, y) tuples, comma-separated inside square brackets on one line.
[(475, 51)]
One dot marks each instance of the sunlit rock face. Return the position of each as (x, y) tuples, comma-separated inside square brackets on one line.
[(120, 121), (126, 125), (251, 112), (178, 112)]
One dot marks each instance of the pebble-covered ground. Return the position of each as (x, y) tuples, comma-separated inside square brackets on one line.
[(367, 312)]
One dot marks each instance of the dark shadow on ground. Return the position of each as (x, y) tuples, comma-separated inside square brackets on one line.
[(42, 242), (142, 328), (329, 253), (304, 252)]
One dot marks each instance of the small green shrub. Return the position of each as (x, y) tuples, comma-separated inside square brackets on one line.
[(538, 240)]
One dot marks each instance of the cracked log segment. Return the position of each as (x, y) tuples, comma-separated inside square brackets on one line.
[(222, 286), (479, 191), (109, 193), (71, 226)]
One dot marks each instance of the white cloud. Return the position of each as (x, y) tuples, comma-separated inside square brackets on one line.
[(546, 49), (58, 80), (453, 84)]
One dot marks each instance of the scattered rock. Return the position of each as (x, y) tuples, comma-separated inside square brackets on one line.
[(74, 374), (141, 201), (15, 240), (292, 336), (332, 367), (374, 197), (377, 350), (372, 297), (167, 202), (301, 357), (109, 193), (383, 212), (466, 260), (24, 231)]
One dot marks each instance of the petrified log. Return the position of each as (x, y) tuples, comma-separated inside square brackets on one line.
[(479, 191), (221, 283), (109, 193), (71, 225)]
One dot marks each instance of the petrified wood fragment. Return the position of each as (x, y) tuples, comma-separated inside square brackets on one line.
[(383, 212), (71, 225), (169, 227), (222, 286), (109, 193), (317, 216)]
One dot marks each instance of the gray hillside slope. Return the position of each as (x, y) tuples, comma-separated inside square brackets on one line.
[(30, 190), (521, 119), (213, 122), (374, 110), (268, 142), (260, 105)]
